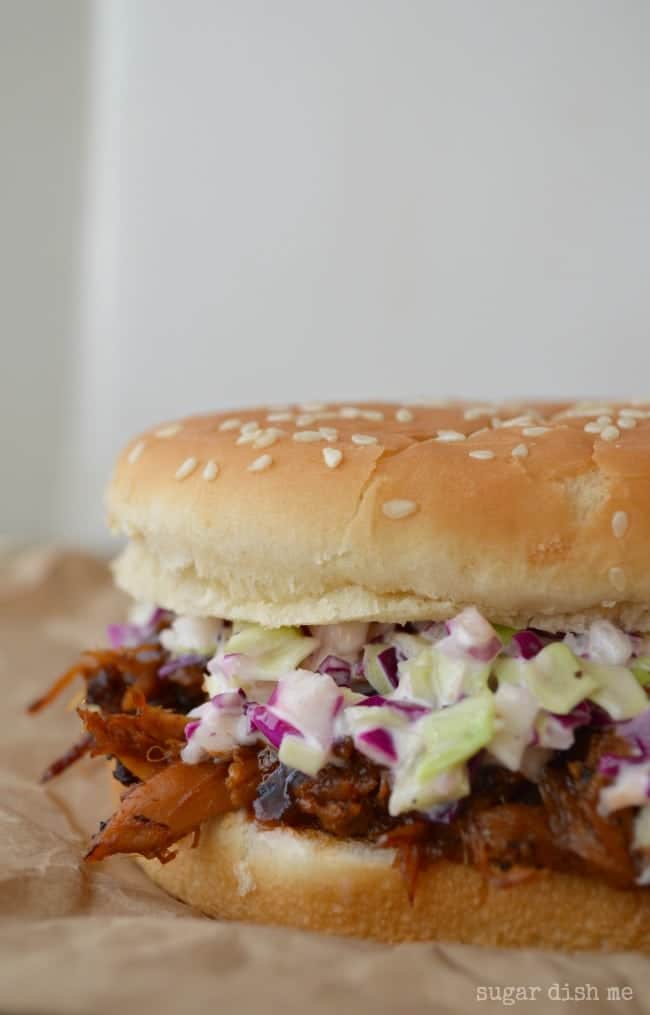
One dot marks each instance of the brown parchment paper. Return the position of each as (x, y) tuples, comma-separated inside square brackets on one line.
[(103, 939)]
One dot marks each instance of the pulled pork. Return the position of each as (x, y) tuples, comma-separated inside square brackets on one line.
[(509, 827), (157, 813)]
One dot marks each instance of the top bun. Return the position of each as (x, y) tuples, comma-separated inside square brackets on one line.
[(538, 514)]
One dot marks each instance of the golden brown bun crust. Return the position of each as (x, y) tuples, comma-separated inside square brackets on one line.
[(551, 536), (239, 871)]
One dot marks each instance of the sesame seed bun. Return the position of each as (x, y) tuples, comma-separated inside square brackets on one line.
[(537, 514), (307, 879)]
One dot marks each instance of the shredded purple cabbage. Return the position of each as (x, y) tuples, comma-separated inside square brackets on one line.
[(581, 715), (131, 635), (191, 729), (179, 662), (229, 701), (469, 635), (599, 716), (125, 635), (270, 725), (338, 669), (381, 743), (637, 730), (409, 708), (274, 696), (388, 662), (485, 653), (527, 644)]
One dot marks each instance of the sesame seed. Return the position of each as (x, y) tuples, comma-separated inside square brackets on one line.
[(362, 439), (313, 406), (620, 522), (249, 427), (592, 428), (610, 433), (517, 421), (617, 578), (306, 419), (267, 437), (374, 415), (211, 470), (604, 420), (260, 463), (608, 604), (306, 436), (349, 412), (588, 410), (332, 457), (404, 416), (399, 508), (169, 431), (135, 452), (626, 423), (279, 417), (450, 435), (330, 433), (477, 411), (230, 424), (633, 413), (250, 437), (482, 455), (186, 469), (534, 431), (520, 451)]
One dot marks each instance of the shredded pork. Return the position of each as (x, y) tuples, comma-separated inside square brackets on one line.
[(509, 827)]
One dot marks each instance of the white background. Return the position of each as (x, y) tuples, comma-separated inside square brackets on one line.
[(211, 203)]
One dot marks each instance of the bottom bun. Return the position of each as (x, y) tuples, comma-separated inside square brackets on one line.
[(243, 871)]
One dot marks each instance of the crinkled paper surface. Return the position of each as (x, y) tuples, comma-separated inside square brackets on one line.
[(105, 940)]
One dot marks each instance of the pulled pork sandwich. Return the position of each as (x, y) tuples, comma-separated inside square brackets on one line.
[(394, 683)]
